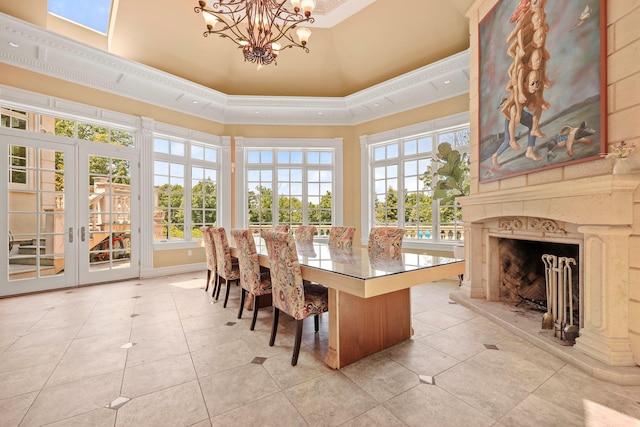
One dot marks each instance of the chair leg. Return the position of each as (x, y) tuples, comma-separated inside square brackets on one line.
[(316, 322), (256, 300), (296, 346), (274, 326), (215, 286), (226, 294), (208, 280), (219, 287), (243, 293)]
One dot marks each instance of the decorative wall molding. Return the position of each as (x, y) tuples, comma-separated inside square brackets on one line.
[(48, 53)]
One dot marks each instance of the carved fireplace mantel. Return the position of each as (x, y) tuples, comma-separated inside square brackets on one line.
[(597, 213)]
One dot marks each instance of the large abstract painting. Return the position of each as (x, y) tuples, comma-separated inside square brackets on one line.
[(542, 85)]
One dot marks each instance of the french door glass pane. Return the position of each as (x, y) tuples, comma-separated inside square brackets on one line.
[(35, 213), (109, 222)]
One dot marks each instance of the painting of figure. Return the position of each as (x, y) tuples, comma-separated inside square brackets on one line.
[(542, 77)]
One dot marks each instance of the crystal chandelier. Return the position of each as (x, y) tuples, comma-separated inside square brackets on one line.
[(259, 27)]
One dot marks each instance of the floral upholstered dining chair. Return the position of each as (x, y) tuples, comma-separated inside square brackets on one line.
[(341, 236), (227, 268), (289, 294), (387, 240), (251, 279), (210, 252), (281, 228), (305, 233)]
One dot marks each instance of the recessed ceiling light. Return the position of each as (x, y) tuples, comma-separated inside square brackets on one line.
[(376, 105), (256, 112), (14, 44), (320, 113), (447, 82), (194, 101)]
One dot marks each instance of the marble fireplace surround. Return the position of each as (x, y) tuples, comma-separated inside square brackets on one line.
[(595, 213)]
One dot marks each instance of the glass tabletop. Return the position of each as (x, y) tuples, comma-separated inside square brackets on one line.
[(358, 262)]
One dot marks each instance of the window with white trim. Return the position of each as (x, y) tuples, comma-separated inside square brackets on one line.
[(32, 121), (402, 174), (15, 119), (291, 185), (185, 183), (43, 122)]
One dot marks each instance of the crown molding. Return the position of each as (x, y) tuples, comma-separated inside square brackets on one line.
[(44, 52)]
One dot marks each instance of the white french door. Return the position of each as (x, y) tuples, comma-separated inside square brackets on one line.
[(38, 187), (72, 212), (108, 225)]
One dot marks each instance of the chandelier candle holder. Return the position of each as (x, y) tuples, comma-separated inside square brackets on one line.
[(259, 27)]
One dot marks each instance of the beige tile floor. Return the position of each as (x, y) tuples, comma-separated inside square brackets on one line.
[(158, 352)]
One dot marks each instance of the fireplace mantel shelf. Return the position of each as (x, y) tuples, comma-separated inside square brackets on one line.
[(604, 184), (598, 200)]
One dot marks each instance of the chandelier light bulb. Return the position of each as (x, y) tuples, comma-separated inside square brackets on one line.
[(296, 5), (303, 35), (308, 6), (209, 20)]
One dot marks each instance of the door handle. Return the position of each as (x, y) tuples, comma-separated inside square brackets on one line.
[(70, 234), (82, 234)]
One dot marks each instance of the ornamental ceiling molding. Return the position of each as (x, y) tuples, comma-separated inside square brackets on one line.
[(51, 54)]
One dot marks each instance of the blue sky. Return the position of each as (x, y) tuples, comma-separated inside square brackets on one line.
[(93, 14)]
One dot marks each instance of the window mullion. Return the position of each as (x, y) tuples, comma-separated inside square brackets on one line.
[(401, 191), (275, 206), (188, 183), (305, 188)]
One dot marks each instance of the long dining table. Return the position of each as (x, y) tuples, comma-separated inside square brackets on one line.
[(369, 296)]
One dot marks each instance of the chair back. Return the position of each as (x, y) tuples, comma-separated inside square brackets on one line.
[(281, 228), (341, 237), (250, 277), (223, 254), (305, 233), (385, 240), (286, 276), (209, 248)]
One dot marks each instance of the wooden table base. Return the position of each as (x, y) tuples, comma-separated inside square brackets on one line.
[(359, 327)]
